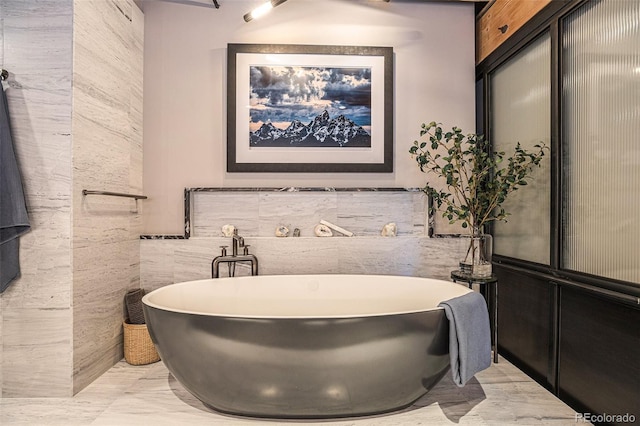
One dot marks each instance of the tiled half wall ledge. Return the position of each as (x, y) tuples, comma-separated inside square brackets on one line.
[(207, 209), (257, 212)]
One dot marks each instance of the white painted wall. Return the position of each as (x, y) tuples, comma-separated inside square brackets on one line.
[(185, 86)]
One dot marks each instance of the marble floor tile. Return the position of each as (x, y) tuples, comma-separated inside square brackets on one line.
[(150, 395)]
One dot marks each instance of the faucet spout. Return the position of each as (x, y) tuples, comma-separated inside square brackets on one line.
[(238, 241)]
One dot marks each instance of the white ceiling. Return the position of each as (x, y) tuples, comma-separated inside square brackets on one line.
[(209, 3)]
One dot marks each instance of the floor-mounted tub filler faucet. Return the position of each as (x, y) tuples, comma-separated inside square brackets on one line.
[(231, 260)]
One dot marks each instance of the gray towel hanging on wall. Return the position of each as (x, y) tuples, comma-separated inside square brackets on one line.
[(13, 211)]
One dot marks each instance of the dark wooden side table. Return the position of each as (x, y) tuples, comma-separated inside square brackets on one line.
[(491, 294)]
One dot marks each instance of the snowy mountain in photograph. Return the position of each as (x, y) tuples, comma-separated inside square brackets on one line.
[(322, 131)]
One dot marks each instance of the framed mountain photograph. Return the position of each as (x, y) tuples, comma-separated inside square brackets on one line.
[(309, 109)]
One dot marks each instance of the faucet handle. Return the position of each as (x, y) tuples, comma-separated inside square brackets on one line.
[(224, 250), (246, 249)]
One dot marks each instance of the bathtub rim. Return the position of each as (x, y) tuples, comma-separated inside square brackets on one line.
[(146, 300)]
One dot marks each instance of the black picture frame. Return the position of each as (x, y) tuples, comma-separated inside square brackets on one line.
[(375, 158)]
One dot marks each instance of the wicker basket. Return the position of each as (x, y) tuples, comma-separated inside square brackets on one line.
[(138, 347)]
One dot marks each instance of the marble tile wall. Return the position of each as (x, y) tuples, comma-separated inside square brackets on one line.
[(164, 262), (75, 99), (107, 155), (256, 214), (35, 312)]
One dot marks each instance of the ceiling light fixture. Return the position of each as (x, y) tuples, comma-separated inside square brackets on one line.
[(262, 9)]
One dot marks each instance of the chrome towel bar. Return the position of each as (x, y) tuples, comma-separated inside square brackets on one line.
[(113, 194)]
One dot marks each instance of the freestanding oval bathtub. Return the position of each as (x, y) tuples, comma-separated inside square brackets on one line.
[(304, 346)]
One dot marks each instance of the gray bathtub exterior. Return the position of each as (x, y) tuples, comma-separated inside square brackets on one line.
[(303, 367)]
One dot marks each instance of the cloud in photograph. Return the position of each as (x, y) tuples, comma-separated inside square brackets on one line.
[(281, 94)]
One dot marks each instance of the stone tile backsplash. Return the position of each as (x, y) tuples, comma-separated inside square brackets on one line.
[(256, 214)]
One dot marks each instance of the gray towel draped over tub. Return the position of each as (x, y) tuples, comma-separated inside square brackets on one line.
[(469, 336), (13, 210)]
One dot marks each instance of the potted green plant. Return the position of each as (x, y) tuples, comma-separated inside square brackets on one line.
[(476, 181)]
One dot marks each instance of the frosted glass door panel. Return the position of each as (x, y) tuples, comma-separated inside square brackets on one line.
[(521, 112), (601, 111)]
